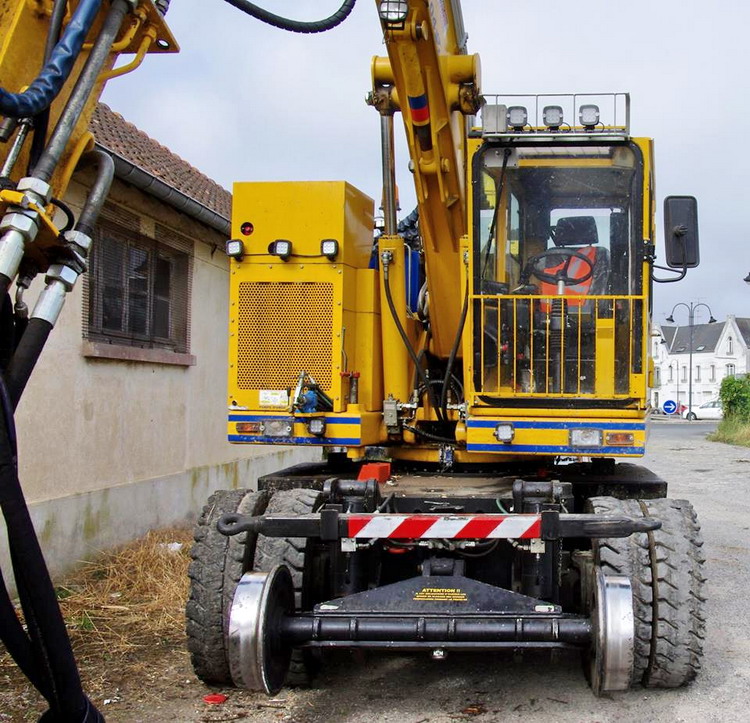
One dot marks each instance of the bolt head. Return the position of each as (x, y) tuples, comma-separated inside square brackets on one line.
[(64, 274), (80, 239), (24, 223), (37, 187)]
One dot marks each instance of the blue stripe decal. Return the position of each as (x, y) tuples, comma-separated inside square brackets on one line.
[(335, 441), (267, 418), (482, 423), (552, 449), (417, 102)]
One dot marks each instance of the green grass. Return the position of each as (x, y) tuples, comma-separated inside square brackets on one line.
[(732, 431)]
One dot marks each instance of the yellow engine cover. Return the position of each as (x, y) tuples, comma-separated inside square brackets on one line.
[(308, 313)]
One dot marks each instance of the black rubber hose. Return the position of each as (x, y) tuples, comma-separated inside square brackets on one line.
[(17, 642), (49, 636), (407, 343), (25, 358), (48, 84), (69, 217), (454, 352), (41, 121), (427, 435), (295, 26)]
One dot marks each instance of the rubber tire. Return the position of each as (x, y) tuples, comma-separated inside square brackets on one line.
[(691, 417), (668, 590), (628, 556), (218, 563), (290, 551)]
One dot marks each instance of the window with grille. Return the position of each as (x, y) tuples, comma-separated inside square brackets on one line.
[(138, 290)]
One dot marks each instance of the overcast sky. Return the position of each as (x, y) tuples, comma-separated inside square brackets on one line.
[(245, 101)]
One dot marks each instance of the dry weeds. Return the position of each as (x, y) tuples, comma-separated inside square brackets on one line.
[(120, 609)]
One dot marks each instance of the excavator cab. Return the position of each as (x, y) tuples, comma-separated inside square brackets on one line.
[(557, 268)]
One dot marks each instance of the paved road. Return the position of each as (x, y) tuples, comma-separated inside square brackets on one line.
[(399, 689)]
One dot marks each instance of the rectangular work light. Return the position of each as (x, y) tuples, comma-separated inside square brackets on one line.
[(505, 432), (235, 249), (585, 437), (553, 116), (280, 248), (589, 116), (329, 248), (518, 117)]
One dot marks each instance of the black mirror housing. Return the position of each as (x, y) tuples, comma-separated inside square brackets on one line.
[(681, 232)]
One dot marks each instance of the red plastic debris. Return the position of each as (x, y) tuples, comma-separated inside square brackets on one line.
[(380, 471), (215, 699)]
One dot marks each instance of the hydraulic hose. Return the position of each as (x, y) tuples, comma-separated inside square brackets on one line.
[(454, 352), (407, 343), (84, 85), (295, 26), (49, 645), (41, 122), (47, 85)]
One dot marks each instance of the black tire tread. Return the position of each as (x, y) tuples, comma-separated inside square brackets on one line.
[(680, 595), (629, 557), (670, 628), (217, 565)]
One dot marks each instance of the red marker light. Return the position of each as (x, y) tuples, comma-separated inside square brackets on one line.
[(247, 228)]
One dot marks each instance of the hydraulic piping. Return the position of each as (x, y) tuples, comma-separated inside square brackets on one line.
[(82, 90), (47, 85), (295, 26), (60, 280), (454, 351), (386, 262)]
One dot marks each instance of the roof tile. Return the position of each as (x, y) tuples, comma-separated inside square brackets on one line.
[(116, 134)]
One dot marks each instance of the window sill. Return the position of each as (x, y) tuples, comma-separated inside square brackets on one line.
[(120, 352)]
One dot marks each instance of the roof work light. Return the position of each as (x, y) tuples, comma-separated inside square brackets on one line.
[(518, 117), (553, 116), (589, 116)]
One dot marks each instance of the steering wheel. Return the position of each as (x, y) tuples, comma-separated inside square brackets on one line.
[(532, 267)]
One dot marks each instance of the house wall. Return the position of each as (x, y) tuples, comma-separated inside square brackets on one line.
[(111, 448)]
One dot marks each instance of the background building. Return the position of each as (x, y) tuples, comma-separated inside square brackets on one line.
[(720, 349), (122, 427)]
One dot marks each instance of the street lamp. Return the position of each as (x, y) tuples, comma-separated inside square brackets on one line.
[(691, 307)]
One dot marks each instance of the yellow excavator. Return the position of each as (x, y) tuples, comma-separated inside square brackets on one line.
[(471, 373)]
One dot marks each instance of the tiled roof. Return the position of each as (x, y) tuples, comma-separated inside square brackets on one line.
[(705, 338), (115, 134), (668, 333), (744, 326)]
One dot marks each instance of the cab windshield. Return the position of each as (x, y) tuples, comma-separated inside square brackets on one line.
[(556, 265)]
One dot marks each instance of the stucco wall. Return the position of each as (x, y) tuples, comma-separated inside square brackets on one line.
[(109, 448)]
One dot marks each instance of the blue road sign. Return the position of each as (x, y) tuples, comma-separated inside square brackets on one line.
[(670, 406)]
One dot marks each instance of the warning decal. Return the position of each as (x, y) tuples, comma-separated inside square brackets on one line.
[(441, 594)]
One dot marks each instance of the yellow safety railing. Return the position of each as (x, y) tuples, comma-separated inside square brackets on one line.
[(559, 346)]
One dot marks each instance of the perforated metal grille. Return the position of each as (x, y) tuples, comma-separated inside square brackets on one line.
[(284, 328)]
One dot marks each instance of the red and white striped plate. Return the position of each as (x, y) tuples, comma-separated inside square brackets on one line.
[(454, 527)]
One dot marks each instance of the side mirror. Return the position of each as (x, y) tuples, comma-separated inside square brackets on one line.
[(681, 232)]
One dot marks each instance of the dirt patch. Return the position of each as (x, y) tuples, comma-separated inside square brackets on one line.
[(124, 612)]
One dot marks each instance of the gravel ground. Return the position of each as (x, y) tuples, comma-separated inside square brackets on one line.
[(401, 689)]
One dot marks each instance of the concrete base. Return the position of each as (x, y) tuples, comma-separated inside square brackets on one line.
[(75, 528)]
